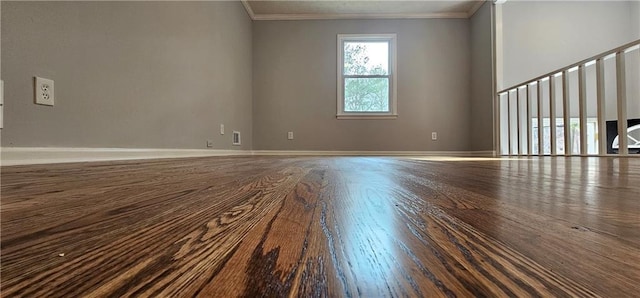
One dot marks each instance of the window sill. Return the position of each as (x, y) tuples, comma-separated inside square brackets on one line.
[(366, 117)]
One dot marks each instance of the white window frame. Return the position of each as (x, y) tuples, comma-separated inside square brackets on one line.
[(393, 103)]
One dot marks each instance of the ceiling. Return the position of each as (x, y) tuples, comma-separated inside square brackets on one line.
[(368, 9)]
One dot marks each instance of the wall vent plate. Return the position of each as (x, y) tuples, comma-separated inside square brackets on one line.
[(44, 91), (237, 141)]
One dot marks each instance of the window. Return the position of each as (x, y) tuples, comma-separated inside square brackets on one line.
[(367, 76)]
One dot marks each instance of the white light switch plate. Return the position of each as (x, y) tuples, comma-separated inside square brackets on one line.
[(1, 92), (1, 104)]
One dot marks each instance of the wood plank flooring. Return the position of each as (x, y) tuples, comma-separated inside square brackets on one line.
[(322, 227)]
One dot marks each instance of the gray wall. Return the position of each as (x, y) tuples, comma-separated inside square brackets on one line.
[(294, 80), (481, 124), (127, 74), (635, 18), (2, 116), (541, 36)]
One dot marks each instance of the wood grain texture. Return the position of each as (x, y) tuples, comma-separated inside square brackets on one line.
[(322, 227)]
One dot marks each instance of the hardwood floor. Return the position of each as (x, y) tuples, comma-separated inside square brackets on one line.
[(322, 227)]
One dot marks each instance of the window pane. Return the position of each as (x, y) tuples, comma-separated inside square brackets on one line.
[(366, 58), (366, 95)]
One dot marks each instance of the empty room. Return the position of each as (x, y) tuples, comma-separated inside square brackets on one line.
[(454, 148)]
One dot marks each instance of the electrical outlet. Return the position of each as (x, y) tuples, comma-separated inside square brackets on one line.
[(434, 136), (290, 135), (237, 141), (209, 143), (44, 91), (221, 129)]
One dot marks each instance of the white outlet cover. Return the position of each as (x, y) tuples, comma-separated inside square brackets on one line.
[(434, 136), (221, 129), (290, 135), (44, 91), (237, 140)]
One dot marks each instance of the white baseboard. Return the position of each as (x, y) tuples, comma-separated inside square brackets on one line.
[(375, 153), (10, 156), (41, 155)]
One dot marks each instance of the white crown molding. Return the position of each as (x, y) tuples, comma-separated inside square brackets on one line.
[(302, 17), (475, 8), (12, 156), (330, 16), (248, 8)]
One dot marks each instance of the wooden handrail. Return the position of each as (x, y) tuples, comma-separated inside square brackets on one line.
[(601, 55)]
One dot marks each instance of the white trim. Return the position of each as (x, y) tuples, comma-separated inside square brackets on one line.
[(341, 16), (248, 8), (475, 8), (374, 153), (370, 116), (11, 156), (631, 49), (392, 40), (41, 155), (496, 69)]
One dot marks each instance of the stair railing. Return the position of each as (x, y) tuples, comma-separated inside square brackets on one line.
[(524, 136)]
